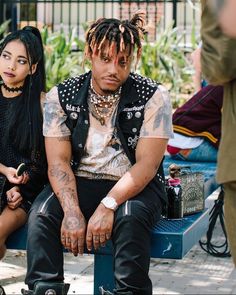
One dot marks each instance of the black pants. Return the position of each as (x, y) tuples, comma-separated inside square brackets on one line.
[(131, 235)]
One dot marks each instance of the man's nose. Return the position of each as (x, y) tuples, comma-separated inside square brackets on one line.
[(113, 67)]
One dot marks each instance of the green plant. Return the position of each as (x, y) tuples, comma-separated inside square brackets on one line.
[(63, 55), (4, 28), (165, 60)]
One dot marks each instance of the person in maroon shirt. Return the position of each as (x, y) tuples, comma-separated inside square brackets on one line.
[(197, 126)]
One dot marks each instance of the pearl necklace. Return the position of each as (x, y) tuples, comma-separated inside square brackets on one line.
[(102, 106)]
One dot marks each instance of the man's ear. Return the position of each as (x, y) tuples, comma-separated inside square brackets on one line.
[(33, 68)]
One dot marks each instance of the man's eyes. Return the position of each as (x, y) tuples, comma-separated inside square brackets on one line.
[(122, 63), (105, 58)]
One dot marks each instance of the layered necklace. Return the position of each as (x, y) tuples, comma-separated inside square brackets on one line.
[(102, 106), (12, 89)]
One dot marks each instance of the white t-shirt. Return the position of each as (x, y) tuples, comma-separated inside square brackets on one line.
[(185, 142)]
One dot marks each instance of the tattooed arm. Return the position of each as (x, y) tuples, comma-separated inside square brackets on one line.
[(63, 182), (61, 176)]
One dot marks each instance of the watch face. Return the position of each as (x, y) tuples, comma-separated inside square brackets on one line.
[(109, 203)]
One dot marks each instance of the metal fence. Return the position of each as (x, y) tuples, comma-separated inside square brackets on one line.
[(58, 14)]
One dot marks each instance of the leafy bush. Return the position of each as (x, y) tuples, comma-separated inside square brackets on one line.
[(166, 61), (61, 61)]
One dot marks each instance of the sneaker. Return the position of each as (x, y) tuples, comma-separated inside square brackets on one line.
[(2, 291)]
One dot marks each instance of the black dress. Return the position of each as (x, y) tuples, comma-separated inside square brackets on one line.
[(10, 156)]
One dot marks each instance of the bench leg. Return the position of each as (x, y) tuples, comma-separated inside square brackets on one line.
[(103, 273)]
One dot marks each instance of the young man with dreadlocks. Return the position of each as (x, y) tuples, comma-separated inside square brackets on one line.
[(106, 132)]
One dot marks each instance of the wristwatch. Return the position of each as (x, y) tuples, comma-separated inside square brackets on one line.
[(110, 203)]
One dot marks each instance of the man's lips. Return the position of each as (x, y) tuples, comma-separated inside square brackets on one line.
[(110, 80), (9, 74)]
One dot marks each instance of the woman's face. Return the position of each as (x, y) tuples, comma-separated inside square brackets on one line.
[(14, 65)]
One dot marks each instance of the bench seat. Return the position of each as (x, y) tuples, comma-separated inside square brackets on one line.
[(169, 238)]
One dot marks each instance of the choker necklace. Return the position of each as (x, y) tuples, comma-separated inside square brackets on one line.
[(12, 89)]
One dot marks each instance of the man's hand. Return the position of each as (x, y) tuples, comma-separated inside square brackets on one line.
[(99, 227), (73, 231), (14, 198)]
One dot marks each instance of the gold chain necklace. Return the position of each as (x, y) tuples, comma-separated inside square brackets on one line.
[(102, 106)]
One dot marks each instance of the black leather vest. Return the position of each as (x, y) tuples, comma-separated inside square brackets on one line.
[(135, 93)]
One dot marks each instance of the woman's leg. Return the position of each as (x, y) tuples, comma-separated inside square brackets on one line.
[(10, 220)]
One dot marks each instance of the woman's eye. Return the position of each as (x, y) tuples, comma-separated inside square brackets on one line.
[(22, 61), (5, 56)]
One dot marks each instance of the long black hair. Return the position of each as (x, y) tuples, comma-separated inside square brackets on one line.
[(26, 119)]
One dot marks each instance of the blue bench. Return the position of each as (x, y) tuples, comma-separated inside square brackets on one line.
[(169, 238)]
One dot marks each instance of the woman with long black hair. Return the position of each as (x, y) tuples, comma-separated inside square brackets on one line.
[(22, 87)]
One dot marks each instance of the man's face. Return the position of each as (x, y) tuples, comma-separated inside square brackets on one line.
[(110, 71)]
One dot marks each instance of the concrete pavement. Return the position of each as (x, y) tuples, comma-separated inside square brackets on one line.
[(197, 273)]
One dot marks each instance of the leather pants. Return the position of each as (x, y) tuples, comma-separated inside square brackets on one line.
[(133, 222)]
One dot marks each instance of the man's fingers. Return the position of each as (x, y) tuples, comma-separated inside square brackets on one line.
[(89, 241), (81, 246), (102, 239)]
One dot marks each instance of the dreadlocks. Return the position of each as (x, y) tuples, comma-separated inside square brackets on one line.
[(119, 34)]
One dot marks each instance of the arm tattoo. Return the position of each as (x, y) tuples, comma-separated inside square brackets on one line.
[(67, 196), (60, 175)]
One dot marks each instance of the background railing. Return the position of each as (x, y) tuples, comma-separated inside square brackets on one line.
[(66, 14)]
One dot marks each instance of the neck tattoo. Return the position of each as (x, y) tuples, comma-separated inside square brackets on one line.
[(12, 89)]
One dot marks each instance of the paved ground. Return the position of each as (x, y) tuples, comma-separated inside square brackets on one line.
[(197, 273)]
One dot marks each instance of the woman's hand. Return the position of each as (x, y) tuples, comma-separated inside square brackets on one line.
[(14, 198), (12, 177)]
